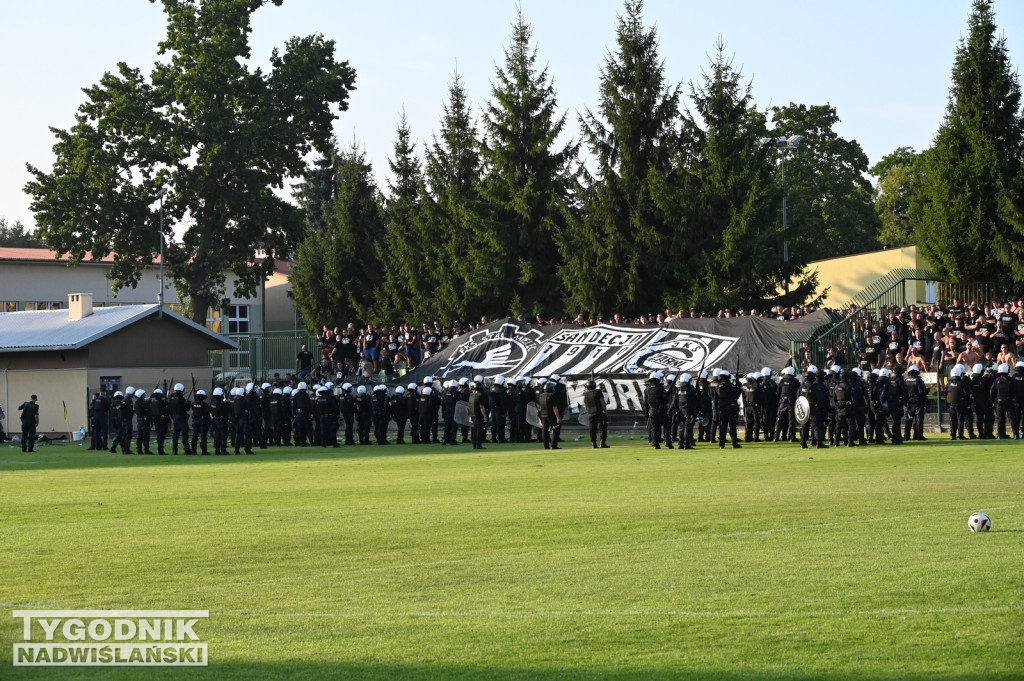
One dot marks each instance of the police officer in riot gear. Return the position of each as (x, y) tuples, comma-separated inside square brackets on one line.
[(657, 410), (179, 409), (200, 423), (956, 397), (144, 422), (550, 416), (220, 414), (726, 398), (687, 404), (917, 404), (399, 414), (158, 412), (1002, 395), (478, 414), (597, 410)]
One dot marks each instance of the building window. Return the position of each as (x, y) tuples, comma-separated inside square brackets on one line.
[(8, 306), (238, 319), (110, 384), (214, 320), (42, 306)]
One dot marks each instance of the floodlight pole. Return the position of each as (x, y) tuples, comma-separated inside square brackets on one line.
[(160, 293), (786, 144)]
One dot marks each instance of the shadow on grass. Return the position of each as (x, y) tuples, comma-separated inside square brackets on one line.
[(61, 456), (304, 671)]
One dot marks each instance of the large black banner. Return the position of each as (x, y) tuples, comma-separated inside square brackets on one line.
[(511, 349)]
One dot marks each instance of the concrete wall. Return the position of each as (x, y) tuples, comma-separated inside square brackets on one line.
[(279, 307), (847, 276)]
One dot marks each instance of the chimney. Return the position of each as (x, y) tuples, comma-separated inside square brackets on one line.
[(79, 305)]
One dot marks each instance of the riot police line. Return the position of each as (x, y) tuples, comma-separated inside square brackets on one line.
[(259, 416), (830, 407), (833, 407)]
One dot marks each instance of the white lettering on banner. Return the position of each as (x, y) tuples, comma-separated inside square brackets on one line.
[(602, 349)]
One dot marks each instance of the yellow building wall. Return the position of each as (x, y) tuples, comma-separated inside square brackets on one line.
[(847, 276), (50, 386), (75, 387)]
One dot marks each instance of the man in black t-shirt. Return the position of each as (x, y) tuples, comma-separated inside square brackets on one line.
[(303, 363)]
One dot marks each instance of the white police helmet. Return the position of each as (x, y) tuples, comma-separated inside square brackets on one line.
[(361, 390), (836, 368), (411, 386), (883, 373), (957, 371), (1019, 364), (119, 394), (399, 390), (329, 385), (428, 390), (140, 393), (158, 391), (248, 387), (704, 373), (978, 368), (716, 373), (687, 378), (913, 367), (287, 390), (766, 371), (671, 378), (302, 385), (179, 388), (218, 392), (857, 371), (200, 393), (346, 386), (478, 378), (129, 391), (812, 369), (265, 386), (278, 391), (499, 380), (463, 381), (1004, 368), (428, 380), (556, 378), (789, 371)]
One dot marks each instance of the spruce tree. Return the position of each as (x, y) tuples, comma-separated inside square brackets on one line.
[(735, 250), (456, 253), (613, 252), (337, 274), (527, 180), (964, 211), (403, 250)]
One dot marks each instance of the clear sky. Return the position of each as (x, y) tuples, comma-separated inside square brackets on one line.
[(884, 65)]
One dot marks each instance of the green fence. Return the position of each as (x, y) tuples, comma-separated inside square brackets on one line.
[(260, 356), (839, 342)]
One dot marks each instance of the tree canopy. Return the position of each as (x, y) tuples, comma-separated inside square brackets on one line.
[(219, 135)]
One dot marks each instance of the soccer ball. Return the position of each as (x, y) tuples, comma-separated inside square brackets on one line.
[(979, 522)]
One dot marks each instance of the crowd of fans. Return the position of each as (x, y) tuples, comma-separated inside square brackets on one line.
[(930, 337), (934, 337), (369, 351)]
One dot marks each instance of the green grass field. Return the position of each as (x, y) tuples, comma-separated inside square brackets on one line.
[(769, 562)]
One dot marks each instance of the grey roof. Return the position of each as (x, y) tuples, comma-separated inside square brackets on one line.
[(54, 330)]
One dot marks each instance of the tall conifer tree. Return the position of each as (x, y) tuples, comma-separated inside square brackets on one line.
[(970, 178), (613, 251), (527, 179)]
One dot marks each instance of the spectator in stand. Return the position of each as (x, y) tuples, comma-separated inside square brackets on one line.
[(303, 362), (1006, 355)]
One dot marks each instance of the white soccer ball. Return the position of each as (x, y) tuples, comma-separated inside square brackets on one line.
[(979, 522)]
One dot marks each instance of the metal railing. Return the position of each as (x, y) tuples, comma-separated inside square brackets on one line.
[(839, 342), (260, 355)]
